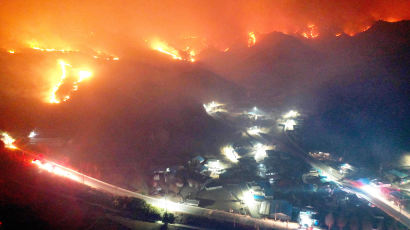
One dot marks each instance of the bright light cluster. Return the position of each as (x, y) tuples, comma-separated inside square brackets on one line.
[(291, 114), (305, 219), (32, 134), (55, 169), (289, 124), (288, 119), (248, 198), (8, 141), (215, 167), (259, 151), (230, 153), (255, 130), (167, 205), (214, 107)]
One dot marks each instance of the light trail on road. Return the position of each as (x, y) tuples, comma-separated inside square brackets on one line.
[(368, 193), (78, 177)]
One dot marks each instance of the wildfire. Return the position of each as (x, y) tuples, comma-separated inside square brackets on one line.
[(11, 51), (8, 140), (53, 95), (352, 33), (366, 28), (80, 76), (35, 46), (98, 54), (185, 55), (251, 39), (391, 19), (311, 33)]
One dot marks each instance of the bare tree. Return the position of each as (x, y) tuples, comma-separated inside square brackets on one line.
[(329, 220)]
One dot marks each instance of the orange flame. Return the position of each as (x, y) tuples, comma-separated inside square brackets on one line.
[(251, 39), (35, 46), (166, 49), (311, 33), (163, 47), (81, 76), (53, 96)]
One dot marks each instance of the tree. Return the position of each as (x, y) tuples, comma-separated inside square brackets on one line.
[(329, 220), (168, 218)]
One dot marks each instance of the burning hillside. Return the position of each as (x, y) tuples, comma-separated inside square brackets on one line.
[(64, 26), (120, 85)]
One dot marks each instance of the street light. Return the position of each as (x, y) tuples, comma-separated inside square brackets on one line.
[(32, 134)]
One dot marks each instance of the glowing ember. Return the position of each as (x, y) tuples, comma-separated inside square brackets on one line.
[(352, 33), (366, 28), (311, 33), (338, 34), (251, 39), (392, 19), (166, 49), (11, 51), (35, 46), (191, 56), (8, 140)]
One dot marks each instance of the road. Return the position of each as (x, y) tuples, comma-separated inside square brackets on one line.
[(158, 202), (371, 193), (332, 174)]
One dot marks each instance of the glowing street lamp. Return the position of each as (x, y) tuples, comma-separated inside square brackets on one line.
[(230, 153), (32, 134), (248, 198), (289, 124)]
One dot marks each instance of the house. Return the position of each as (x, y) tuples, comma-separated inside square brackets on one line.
[(280, 210), (264, 208), (198, 160)]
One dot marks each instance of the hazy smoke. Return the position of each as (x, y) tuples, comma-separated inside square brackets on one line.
[(114, 25)]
